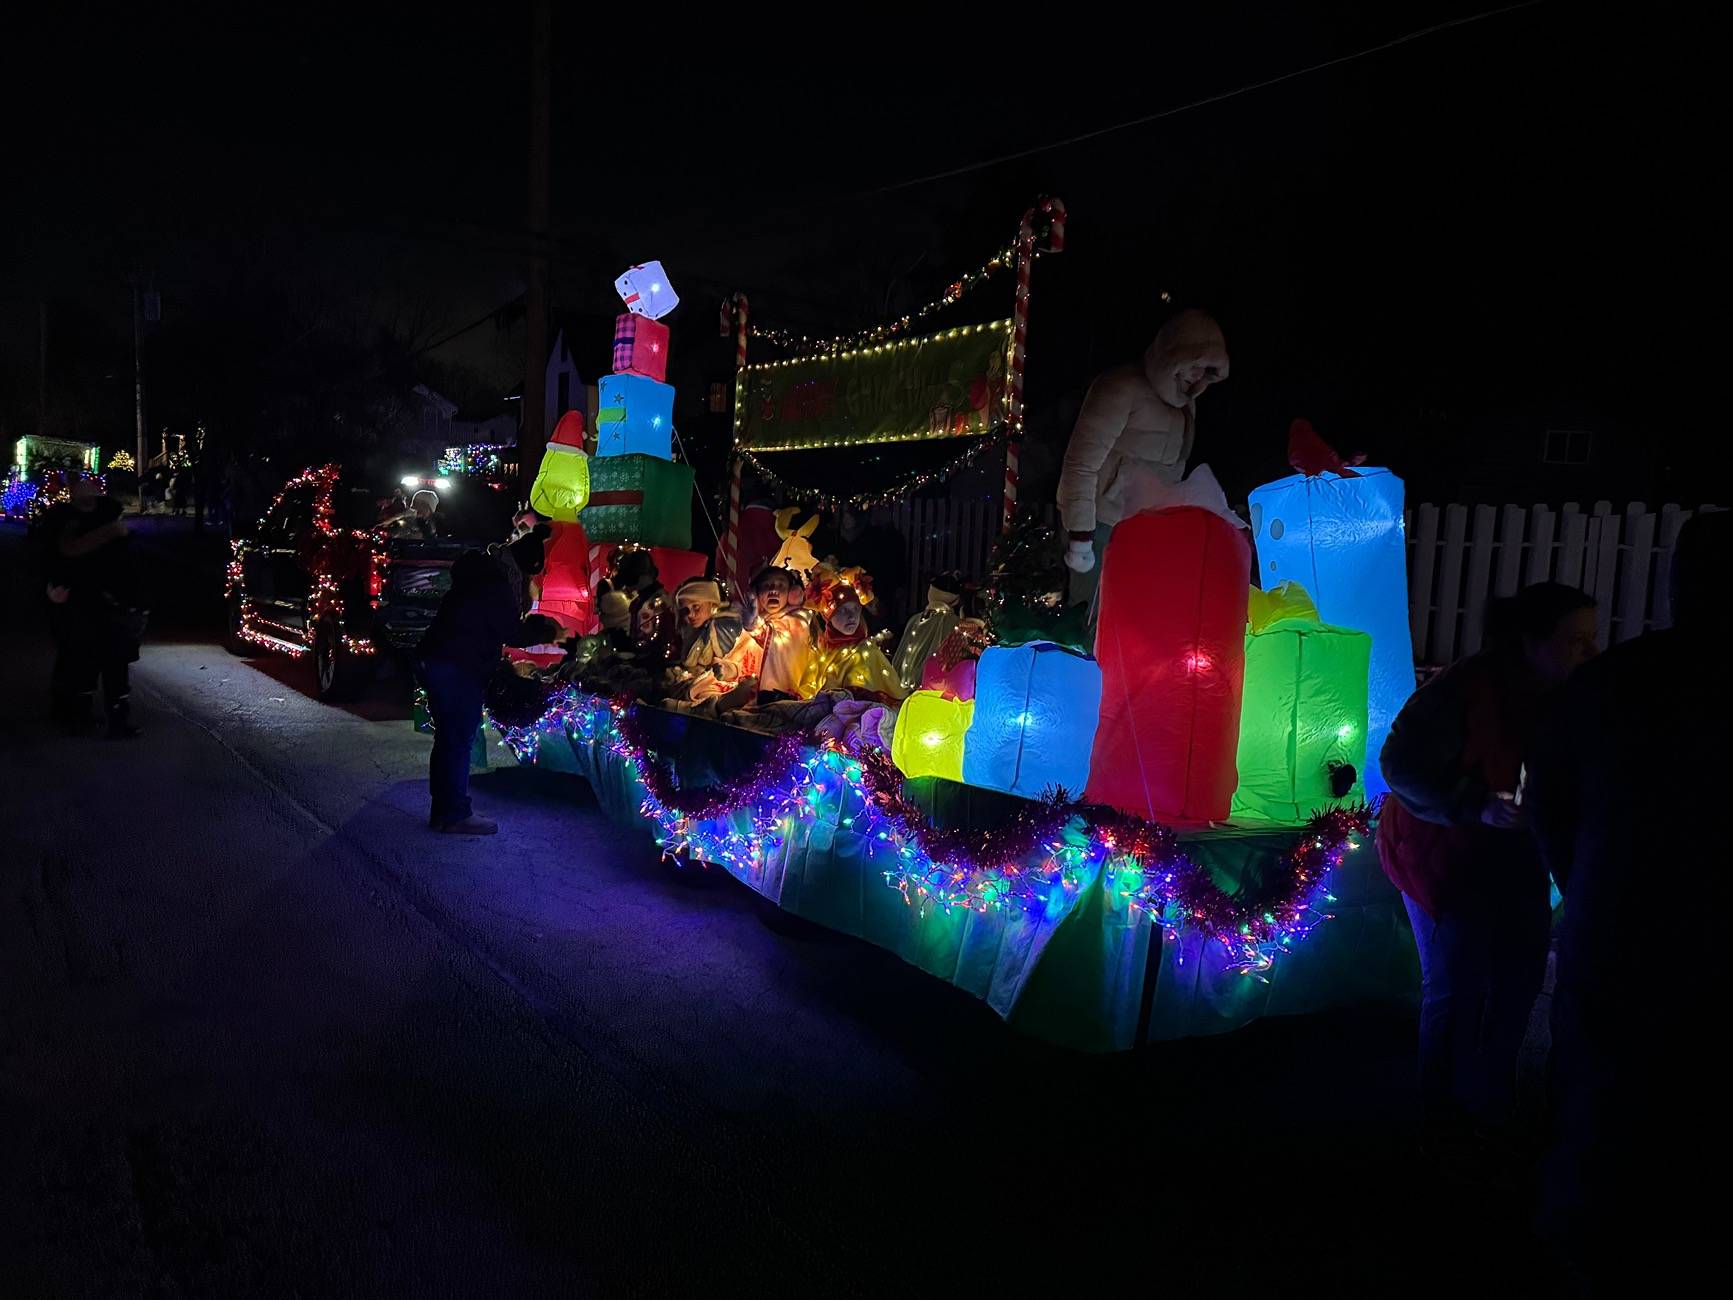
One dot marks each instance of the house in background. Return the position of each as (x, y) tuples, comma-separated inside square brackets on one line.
[(430, 417), (485, 430), (589, 336)]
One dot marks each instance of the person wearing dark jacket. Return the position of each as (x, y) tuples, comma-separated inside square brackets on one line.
[(1623, 791), (478, 617), (881, 550), (95, 606), (1453, 839)]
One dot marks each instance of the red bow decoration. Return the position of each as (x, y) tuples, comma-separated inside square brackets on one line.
[(1311, 455)]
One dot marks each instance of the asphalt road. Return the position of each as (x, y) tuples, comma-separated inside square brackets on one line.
[(261, 1032)]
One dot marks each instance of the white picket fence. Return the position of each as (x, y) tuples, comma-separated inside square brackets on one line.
[(1459, 555)]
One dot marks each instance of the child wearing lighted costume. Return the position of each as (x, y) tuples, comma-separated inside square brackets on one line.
[(774, 651), (926, 631), (708, 631), (844, 657)]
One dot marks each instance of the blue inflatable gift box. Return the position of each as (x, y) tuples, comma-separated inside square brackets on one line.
[(1036, 706), (634, 416)]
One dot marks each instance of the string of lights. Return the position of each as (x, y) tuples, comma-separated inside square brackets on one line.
[(834, 501), (807, 344), (743, 823), (329, 555)]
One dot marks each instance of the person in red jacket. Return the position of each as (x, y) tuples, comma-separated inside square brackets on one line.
[(1453, 837)]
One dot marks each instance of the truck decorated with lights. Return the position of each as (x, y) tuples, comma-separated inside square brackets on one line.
[(338, 570)]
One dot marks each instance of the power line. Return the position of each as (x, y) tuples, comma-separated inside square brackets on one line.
[(1205, 101), (492, 313)]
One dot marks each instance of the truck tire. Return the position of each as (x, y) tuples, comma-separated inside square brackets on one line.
[(340, 673)]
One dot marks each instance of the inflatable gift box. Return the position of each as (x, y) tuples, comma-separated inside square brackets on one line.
[(1036, 707), (640, 347), (954, 678), (929, 735), (1341, 536), (1171, 640), (642, 499), (634, 417), (646, 291), (1303, 720)]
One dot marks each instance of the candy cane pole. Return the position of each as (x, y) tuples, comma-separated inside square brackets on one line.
[(598, 567), (735, 311), (742, 310), (1025, 257), (729, 565)]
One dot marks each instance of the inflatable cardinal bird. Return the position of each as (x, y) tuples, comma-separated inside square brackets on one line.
[(1311, 455)]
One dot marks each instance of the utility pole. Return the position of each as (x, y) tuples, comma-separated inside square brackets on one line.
[(42, 370), (532, 430), (142, 466)]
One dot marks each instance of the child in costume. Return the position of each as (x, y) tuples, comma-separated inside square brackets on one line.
[(632, 570), (636, 670), (615, 611), (774, 651), (845, 658), (927, 630), (708, 631)]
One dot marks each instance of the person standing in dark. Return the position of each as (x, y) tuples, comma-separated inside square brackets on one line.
[(460, 651), (1623, 791), (879, 549), (95, 608), (1453, 838)]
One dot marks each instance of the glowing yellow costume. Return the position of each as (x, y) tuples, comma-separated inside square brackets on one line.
[(860, 667)]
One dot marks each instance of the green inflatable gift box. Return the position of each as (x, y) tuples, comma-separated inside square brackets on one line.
[(642, 499), (1303, 714)]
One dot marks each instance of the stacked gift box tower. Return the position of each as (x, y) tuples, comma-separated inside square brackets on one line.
[(637, 492), (630, 490)]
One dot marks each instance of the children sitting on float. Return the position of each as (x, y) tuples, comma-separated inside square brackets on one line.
[(653, 643), (772, 653)]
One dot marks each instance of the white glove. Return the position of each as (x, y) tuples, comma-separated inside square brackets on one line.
[(1080, 555)]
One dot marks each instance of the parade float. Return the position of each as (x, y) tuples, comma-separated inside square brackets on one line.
[(1143, 830)]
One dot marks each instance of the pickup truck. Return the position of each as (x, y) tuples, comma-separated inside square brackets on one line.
[(322, 574)]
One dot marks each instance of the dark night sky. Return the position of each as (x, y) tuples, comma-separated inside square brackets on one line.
[(1404, 247)]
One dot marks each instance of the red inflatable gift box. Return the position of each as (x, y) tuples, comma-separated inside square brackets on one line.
[(1171, 640)]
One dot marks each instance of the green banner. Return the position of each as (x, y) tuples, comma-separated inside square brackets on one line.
[(946, 385)]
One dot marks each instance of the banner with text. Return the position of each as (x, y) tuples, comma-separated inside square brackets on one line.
[(946, 385)]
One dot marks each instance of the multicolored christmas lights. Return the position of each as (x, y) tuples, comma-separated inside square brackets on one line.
[(1055, 843)]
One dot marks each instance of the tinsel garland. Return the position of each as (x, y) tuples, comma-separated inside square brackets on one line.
[(709, 801), (983, 870)]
